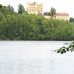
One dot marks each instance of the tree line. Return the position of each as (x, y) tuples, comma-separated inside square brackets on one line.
[(23, 26)]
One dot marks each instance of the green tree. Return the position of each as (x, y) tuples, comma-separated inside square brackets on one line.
[(65, 49), (52, 12), (10, 8), (0, 6), (71, 19), (21, 9), (46, 13), (14, 26)]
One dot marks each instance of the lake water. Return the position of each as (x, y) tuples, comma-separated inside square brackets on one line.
[(35, 57)]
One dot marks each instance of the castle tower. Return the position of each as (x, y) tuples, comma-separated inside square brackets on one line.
[(34, 8)]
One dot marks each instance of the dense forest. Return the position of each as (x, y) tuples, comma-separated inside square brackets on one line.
[(23, 26)]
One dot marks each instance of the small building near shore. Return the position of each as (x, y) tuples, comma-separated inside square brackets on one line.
[(59, 16), (62, 16)]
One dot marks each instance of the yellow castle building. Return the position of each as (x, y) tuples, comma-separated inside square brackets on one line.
[(34, 8)]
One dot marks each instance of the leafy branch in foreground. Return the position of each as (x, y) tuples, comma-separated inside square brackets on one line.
[(65, 49)]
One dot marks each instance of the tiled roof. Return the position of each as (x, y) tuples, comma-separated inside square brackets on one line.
[(61, 14)]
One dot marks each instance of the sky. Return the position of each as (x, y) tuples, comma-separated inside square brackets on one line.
[(61, 6)]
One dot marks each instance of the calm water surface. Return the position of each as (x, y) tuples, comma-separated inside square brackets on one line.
[(25, 57)]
